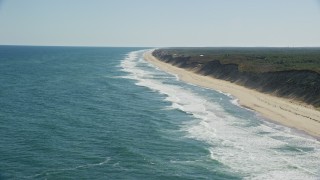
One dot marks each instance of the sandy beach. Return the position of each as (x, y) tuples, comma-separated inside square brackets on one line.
[(284, 111)]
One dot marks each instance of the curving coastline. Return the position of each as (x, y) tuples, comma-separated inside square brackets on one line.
[(288, 73), (284, 111)]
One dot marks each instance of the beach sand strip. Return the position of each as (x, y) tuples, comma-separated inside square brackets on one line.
[(281, 110)]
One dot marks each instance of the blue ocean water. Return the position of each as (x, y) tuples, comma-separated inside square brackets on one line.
[(105, 113)]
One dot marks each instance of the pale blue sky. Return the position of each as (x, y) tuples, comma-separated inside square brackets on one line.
[(160, 23)]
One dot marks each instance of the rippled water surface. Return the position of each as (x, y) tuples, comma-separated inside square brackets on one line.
[(105, 113)]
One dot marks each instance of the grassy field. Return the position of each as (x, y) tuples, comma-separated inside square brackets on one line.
[(255, 59)]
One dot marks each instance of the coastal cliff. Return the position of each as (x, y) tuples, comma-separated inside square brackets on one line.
[(301, 85)]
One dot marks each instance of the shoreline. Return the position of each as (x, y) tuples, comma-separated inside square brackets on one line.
[(280, 110)]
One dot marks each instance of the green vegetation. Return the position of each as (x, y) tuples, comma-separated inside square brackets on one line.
[(287, 72), (255, 59)]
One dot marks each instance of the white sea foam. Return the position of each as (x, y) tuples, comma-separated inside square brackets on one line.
[(265, 151), (235, 101)]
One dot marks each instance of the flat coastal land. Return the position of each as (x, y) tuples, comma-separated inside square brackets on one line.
[(284, 111)]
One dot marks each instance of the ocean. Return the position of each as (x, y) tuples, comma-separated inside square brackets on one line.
[(105, 113)]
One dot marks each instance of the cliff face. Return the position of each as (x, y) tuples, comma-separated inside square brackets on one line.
[(302, 85)]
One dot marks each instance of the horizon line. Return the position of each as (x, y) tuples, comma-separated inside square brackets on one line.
[(110, 46)]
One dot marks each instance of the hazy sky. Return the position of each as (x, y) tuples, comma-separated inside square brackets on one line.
[(160, 22)]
